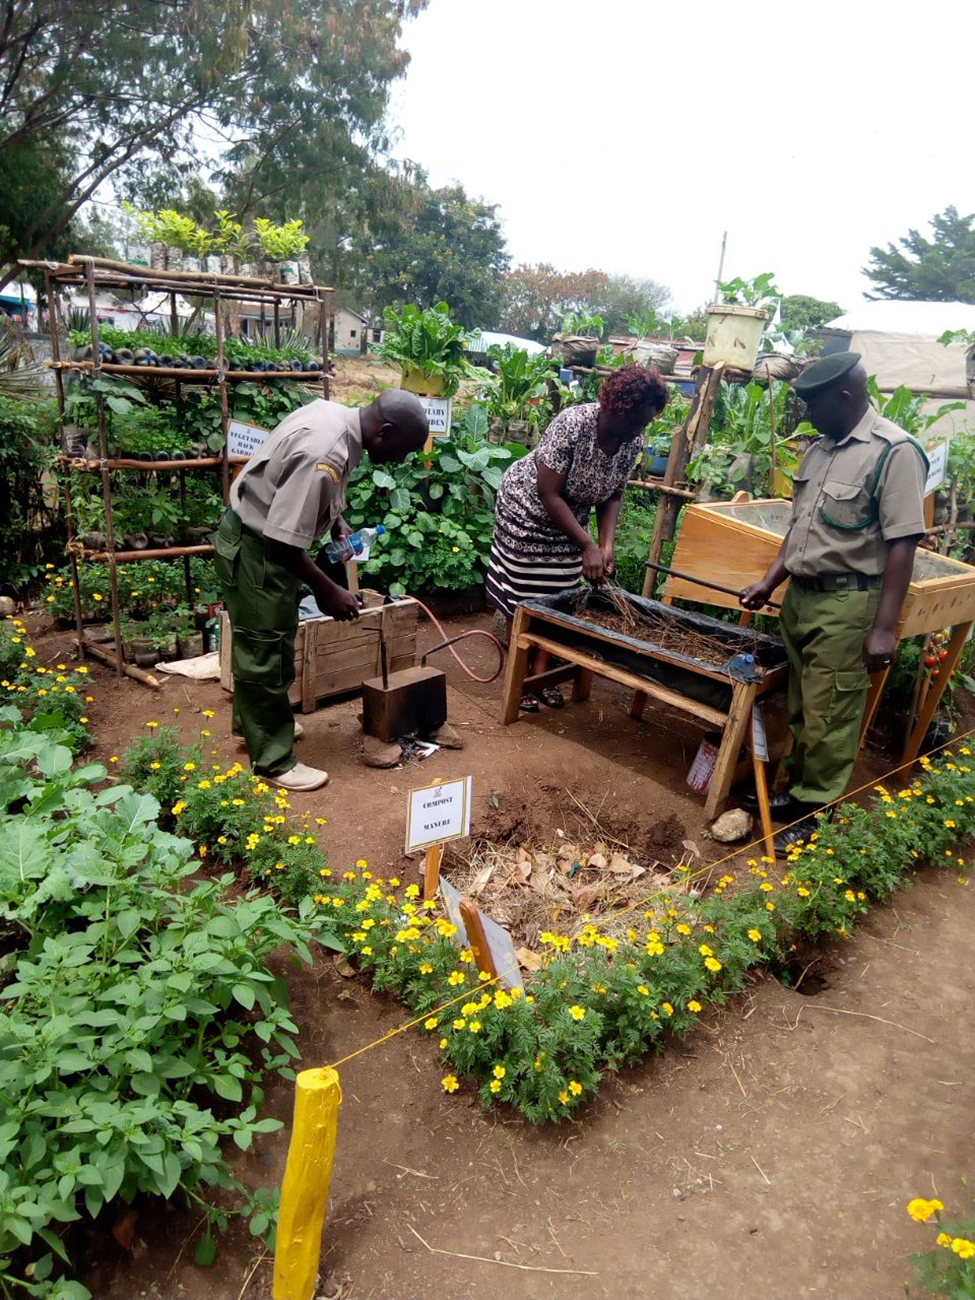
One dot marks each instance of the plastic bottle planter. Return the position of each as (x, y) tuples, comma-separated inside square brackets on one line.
[(415, 381), (734, 335)]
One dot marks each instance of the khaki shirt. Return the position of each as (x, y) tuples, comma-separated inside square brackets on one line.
[(293, 489), (850, 498)]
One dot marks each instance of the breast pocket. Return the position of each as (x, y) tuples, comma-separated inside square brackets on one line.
[(846, 505)]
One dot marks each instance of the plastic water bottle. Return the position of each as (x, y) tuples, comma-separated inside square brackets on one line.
[(356, 544)]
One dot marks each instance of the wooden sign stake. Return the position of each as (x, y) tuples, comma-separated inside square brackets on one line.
[(477, 938), (431, 870)]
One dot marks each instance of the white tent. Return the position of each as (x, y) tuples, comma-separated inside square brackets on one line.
[(899, 344)]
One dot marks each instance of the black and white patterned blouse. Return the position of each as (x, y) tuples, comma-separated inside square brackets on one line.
[(568, 446)]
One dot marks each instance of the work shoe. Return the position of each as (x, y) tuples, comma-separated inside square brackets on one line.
[(783, 807), (242, 743), (300, 778)]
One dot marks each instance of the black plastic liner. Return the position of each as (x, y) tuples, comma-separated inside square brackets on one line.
[(638, 657)]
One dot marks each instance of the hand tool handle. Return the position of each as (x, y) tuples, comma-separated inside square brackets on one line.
[(701, 582)]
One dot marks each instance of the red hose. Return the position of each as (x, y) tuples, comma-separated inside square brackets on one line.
[(475, 631)]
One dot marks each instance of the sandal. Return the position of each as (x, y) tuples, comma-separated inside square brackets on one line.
[(529, 704), (552, 697), (798, 833)]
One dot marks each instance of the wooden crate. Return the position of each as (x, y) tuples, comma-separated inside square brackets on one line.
[(332, 658), (733, 543)]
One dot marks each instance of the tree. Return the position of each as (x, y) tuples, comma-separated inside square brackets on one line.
[(800, 312), (90, 91), (532, 296), (621, 296), (444, 247), (938, 270)]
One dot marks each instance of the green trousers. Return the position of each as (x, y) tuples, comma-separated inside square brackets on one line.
[(824, 633), (262, 600)]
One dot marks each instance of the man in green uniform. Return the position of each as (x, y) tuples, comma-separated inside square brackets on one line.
[(285, 499), (857, 518)]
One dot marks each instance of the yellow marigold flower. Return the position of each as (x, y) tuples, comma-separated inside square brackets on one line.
[(411, 891), (467, 956), (460, 1023), (348, 875), (766, 886), (475, 1026), (564, 1098), (456, 977), (755, 936), (666, 1007), (575, 1088), (367, 952), (361, 862), (443, 1043), (495, 1085), (963, 1248), (710, 928), (499, 1071), (189, 767), (577, 1012), (802, 891), (705, 951), (502, 1000), (950, 824), (468, 1008), (643, 990), (921, 1210), (683, 929), (712, 964), (431, 1023), (942, 1239), (449, 1083), (694, 1005), (426, 968)]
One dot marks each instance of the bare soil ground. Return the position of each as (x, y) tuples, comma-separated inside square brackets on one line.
[(768, 1156)]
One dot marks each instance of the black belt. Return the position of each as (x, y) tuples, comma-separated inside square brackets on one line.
[(841, 582)]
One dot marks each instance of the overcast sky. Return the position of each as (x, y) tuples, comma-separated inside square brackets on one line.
[(616, 136)]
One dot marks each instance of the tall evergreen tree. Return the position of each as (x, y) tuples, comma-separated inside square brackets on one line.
[(928, 270)]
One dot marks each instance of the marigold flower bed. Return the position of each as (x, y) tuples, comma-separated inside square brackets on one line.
[(599, 1001)]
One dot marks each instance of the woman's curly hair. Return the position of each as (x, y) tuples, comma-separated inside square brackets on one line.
[(633, 388)]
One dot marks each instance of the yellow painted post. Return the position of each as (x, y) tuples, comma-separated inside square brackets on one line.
[(304, 1191)]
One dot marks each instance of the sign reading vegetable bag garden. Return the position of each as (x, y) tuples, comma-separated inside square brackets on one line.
[(438, 813)]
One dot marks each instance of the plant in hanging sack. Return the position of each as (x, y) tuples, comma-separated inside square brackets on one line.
[(577, 341)]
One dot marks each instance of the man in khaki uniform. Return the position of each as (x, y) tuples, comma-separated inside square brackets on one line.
[(857, 517), (285, 499)]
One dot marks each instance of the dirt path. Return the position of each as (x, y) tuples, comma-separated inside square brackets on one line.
[(768, 1156)]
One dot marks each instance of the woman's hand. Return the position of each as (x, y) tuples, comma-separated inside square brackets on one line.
[(609, 559), (593, 565)]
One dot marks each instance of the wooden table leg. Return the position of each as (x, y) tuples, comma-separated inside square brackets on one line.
[(959, 635), (638, 705), (519, 647), (735, 731), (581, 685)]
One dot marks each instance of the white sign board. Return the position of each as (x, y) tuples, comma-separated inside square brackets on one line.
[(244, 439), (451, 901), (438, 813), (503, 955), (938, 467), (438, 411)]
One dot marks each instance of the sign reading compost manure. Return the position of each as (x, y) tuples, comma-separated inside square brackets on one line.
[(438, 813), (438, 415), (244, 439)]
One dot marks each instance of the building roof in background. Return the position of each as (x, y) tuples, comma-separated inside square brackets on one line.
[(892, 316), (481, 340)]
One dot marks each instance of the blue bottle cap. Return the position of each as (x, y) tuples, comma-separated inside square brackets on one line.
[(380, 529)]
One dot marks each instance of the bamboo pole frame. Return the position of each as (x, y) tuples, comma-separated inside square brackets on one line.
[(90, 273)]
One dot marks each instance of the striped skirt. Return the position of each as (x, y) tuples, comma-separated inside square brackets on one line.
[(512, 579)]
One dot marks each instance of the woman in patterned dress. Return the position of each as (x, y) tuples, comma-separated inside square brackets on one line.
[(542, 543)]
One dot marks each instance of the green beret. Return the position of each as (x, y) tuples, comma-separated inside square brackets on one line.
[(825, 371)]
